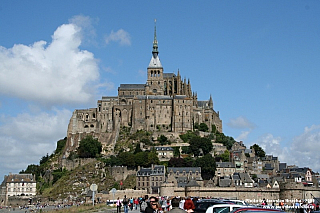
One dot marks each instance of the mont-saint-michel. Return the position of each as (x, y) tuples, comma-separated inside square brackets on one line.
[(165, 102), (158, 139)]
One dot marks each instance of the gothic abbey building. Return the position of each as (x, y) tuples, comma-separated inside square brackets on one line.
[(164, 103)]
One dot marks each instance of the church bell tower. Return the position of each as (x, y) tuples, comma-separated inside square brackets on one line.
[(155, 70)]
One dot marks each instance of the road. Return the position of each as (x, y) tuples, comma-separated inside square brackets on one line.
[(102, 210)]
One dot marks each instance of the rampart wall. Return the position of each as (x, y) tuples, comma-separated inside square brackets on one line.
[(287, 194)]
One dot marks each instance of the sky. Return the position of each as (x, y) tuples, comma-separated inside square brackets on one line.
[(258, 59)]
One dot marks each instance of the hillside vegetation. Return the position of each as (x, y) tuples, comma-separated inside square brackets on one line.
[(131, 150)]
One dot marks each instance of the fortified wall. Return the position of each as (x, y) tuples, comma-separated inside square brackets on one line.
[(241, 193), (289, 193)]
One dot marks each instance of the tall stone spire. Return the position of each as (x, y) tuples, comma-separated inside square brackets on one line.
[(155, 61), (155, 42), (210, 102)]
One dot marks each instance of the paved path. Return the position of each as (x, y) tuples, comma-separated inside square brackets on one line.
[(16, 210)]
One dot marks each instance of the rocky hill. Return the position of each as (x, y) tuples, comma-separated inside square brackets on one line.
[(75, 184)]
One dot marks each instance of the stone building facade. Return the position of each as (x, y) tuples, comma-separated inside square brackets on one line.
[(165, 102), (150, 179), (23, 186)]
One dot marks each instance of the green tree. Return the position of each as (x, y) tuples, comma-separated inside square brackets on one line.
[(208, 166), (177, 162), (33, 169), (162, 139), (137, 149), (187, 136), (197, 143), (176, 151), (141, 159), (153, 158), (44, 159), (113, 161), (60, 145), (89, 147), (258, 150), (126, 159), (206, 145), (225, 157), (225, 140), (213, 128), (186, 150), (146, 141), (203, 127)]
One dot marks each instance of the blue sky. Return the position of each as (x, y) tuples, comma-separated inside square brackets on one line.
[(258, 59)]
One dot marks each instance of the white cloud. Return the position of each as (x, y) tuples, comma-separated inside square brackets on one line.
[(270, 144), (304, 148), (243, 135), (302, 151), (120, 36), (241, 123), (88, 32), (26, 138), (56, 73)]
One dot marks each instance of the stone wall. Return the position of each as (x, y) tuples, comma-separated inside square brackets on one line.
[(121, 172), (288, 193), (119, 193), (292, 191), (249, 194), (72, 164)]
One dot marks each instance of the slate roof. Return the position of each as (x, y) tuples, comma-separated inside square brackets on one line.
[(131, 86), (203, 104), (19, 178), (192, 183), (184, 169), (162, 148), (245, 178), (169, 75), (268, 166), (157, 170), (225, 165), (225, 182), (263, 176), (236, 176), (109, 97), (180, 97), (154, 97)]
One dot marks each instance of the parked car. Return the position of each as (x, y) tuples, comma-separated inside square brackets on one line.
[(240, 202), (223, 208), (204, 204), (255, 210)]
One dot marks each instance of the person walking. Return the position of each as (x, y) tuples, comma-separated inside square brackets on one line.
[(188, 204), (136, 203), (175, 206), (131, 203), (125, 203), (118, 205)]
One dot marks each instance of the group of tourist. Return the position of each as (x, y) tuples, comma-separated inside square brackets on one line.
[(155, 205)]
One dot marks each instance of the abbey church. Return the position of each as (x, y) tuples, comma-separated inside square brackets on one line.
[(164, 103)]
